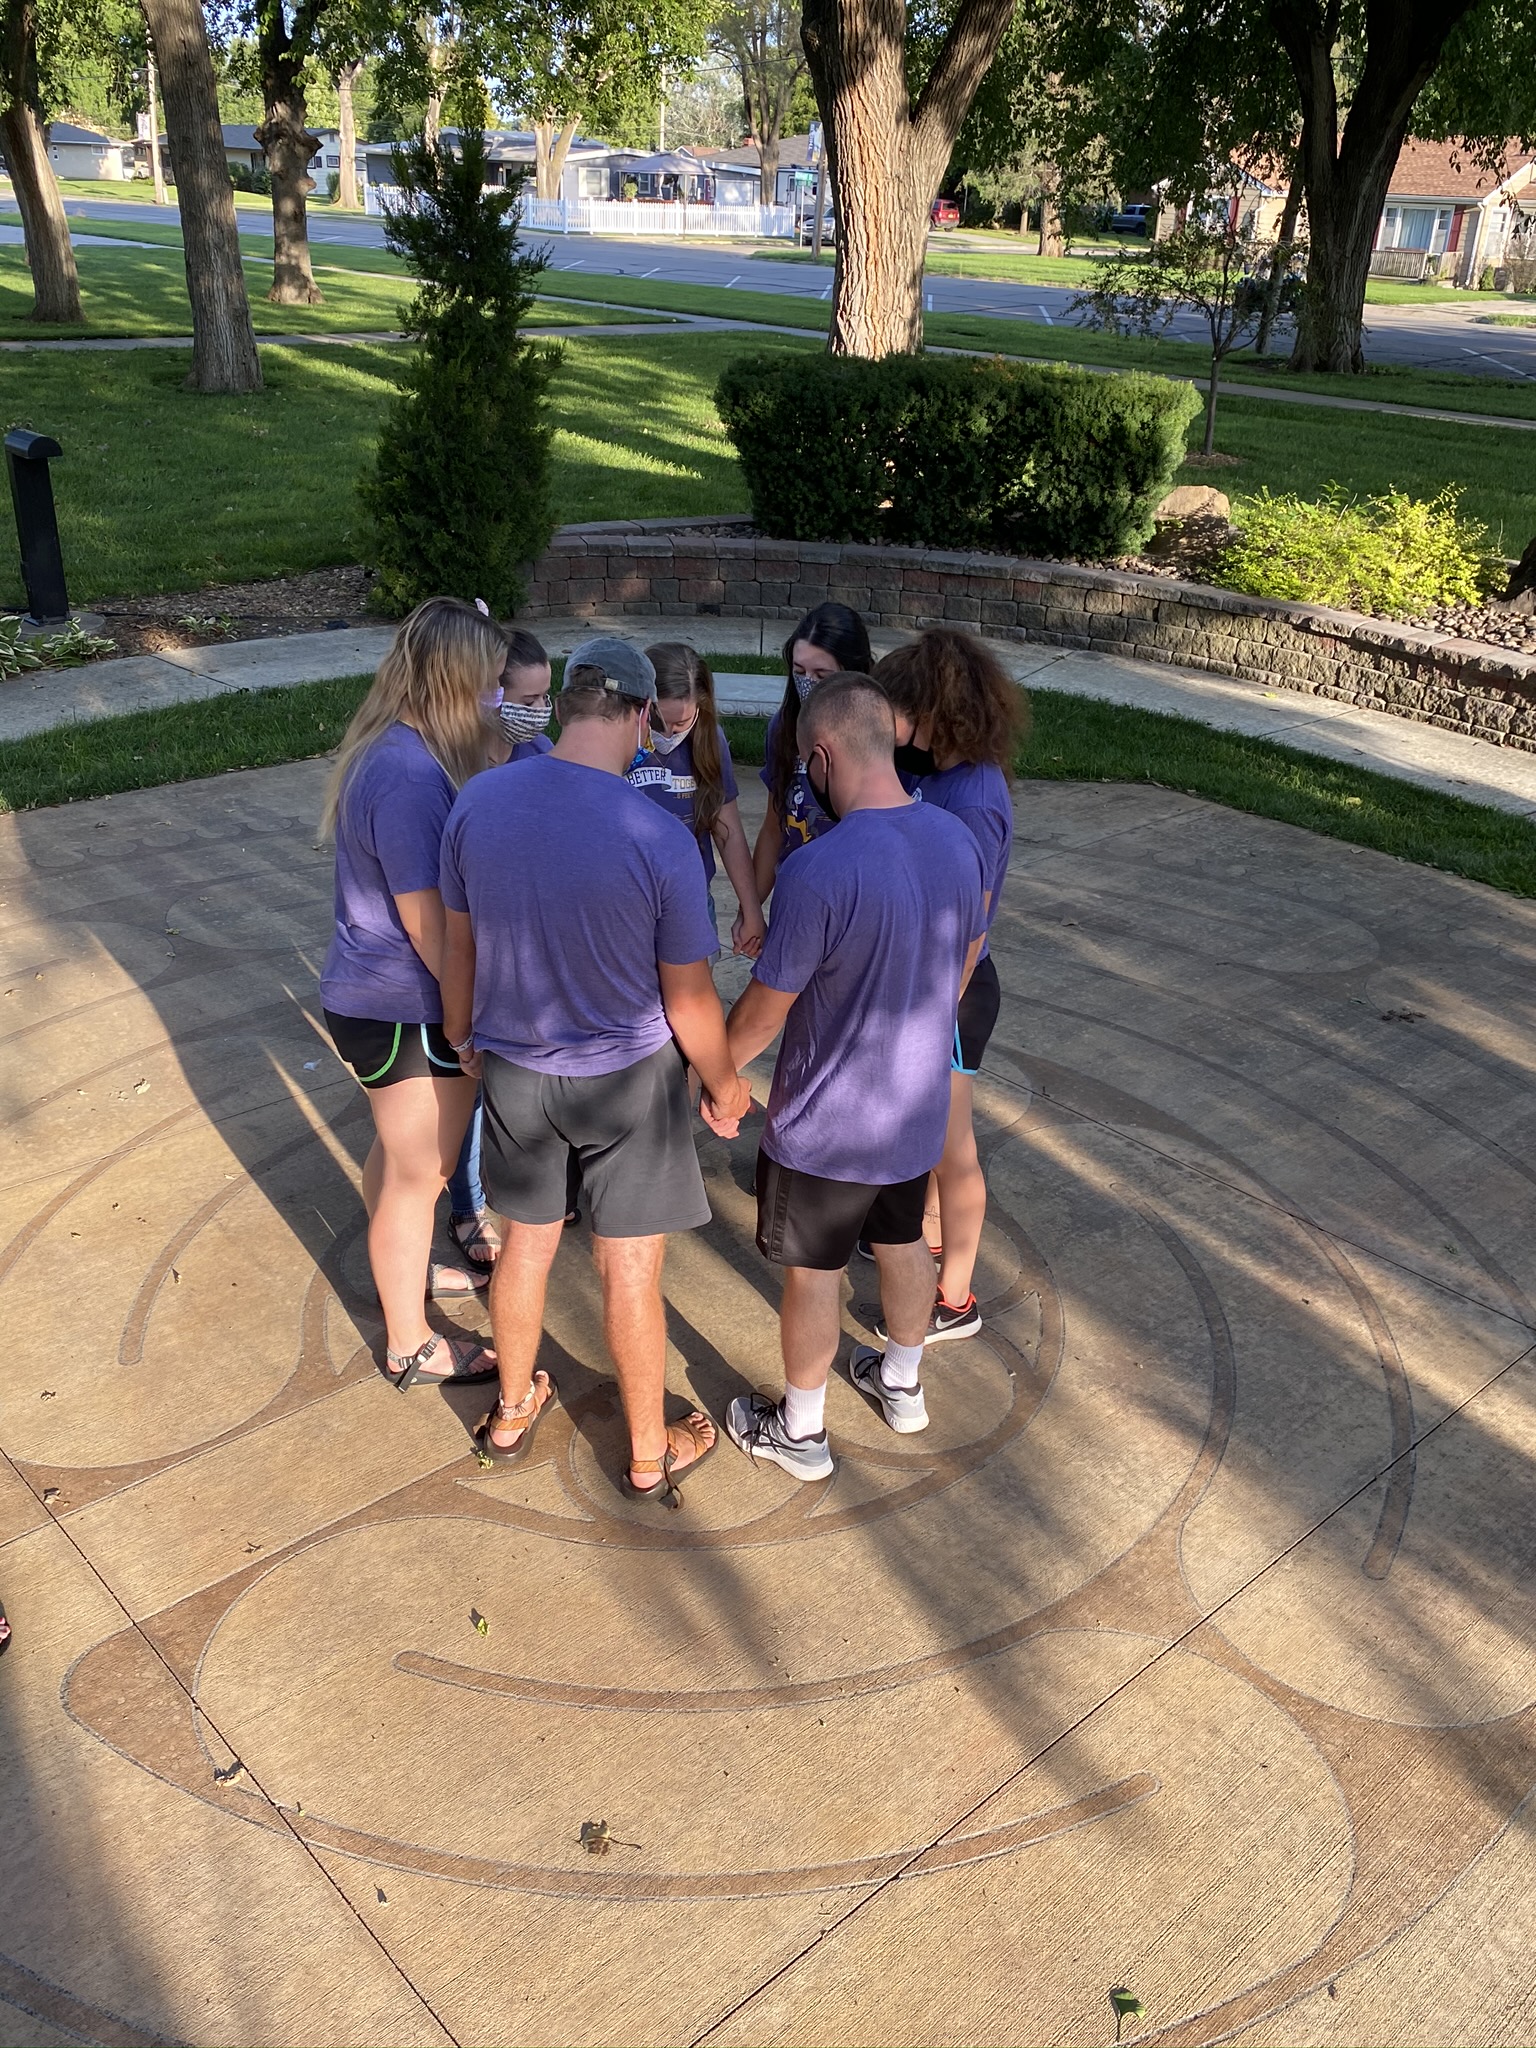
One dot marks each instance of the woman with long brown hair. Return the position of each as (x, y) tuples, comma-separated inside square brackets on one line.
[(957, 705), (425, 727), (830, 640), (687, 769)]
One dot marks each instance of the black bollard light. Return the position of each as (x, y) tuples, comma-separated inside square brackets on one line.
[(27, 456)]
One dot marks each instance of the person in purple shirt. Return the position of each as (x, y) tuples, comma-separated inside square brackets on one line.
[(577, 982), (424, 729), (957, 704), (687, 769), (875, 927), (829, 639)]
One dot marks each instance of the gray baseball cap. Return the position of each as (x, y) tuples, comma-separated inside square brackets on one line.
[(626, 670)]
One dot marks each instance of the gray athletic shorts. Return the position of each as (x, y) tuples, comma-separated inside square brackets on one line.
[(631, 1131)]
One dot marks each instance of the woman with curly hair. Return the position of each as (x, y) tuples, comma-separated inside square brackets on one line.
[(959, 719)]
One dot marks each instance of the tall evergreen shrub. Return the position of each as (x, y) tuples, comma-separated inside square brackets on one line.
[(457, 501)]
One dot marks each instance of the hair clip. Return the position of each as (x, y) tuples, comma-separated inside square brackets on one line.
[(482, 608)]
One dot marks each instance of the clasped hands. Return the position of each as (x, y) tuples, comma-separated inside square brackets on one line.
[(723, 1113)]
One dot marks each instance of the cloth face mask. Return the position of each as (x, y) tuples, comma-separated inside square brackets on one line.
[(668, 742), (522, 722), (804, 684)]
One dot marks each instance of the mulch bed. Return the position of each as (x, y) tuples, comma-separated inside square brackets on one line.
[(238, 611)]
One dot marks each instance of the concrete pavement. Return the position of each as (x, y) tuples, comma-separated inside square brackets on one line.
[(1459, 766), (1192, 1649), (1427, 337)]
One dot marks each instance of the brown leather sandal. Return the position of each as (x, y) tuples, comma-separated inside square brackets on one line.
[(668, 1493), (529, 1412)]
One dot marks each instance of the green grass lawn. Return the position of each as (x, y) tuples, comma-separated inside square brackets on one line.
[(1075, 739), (163, 490), (144, 291), (160, 489)]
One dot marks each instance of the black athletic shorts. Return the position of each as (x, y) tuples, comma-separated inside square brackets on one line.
[(978, 1015), (803, 1220), (632, 1133), (380, 1054)]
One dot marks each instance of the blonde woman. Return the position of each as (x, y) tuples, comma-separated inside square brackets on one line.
[(425, 727)]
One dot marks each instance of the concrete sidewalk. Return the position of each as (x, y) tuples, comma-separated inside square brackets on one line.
[(1504, 777)]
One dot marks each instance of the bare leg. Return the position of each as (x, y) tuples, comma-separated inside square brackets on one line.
[(906, 1289), (519, 1280), (962, 1196), (808, 1324), (933, 1218), (419, 1127), (635, 1327)]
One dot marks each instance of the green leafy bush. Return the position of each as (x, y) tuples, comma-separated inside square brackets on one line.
[(1393, 555), (937, 451), (67, 648), (457, 502)]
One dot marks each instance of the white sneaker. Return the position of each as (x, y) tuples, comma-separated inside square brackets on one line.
[(903, 1407), (755, 1425)]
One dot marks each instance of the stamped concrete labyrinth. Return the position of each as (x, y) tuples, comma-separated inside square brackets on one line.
[(1192, 1648)]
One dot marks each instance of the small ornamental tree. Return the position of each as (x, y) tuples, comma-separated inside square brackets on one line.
[(1220, 272), (457, 501)]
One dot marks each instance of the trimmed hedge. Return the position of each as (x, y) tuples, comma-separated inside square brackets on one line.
[(935, 451)]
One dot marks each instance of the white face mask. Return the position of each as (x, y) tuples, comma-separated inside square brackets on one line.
[(522, 722), (668, 742)]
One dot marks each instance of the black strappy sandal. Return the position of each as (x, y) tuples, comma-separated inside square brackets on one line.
[(529, 1412), (405, 1369), (667, 1493), (477, 1233)]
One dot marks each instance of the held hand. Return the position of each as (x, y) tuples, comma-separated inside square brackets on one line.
[(747, 935), (469, 1063), (723, 1113)]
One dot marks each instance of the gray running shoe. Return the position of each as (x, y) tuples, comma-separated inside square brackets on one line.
[(755, 1425), (903, 1407)]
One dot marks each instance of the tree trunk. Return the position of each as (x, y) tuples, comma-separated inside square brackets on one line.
[(45, 229), (1346, 179), (289, 146), (768, 164), (551, 147), (886, 157), (1051, 242), (1212, 393), (223, 347), (346, 175), (1279, 263)]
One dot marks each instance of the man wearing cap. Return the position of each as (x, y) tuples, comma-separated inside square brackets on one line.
[(577, 971)]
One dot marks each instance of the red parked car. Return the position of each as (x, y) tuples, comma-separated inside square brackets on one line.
[(945, 213)]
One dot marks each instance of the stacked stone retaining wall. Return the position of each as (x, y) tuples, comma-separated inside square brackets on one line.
[(664, 570)]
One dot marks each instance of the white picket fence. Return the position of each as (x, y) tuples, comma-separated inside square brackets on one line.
[(628, 216)]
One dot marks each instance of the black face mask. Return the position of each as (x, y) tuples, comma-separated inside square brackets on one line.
[(912, 760), (822, 794)]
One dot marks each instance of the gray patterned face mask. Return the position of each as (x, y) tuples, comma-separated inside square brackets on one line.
[(522, 722), (804, 684)]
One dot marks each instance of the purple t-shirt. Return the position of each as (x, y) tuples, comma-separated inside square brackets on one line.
[(869, 931), (388, 832), (803, 819), (528, 750), (576, 887), (669, 780), (976, 792)]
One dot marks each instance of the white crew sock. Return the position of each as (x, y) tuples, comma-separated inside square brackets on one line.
[(901, 1365), (804, 1410)]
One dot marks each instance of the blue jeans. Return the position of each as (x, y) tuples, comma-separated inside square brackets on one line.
[(466, 1197)]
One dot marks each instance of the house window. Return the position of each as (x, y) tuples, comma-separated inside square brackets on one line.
[(1416, 227)]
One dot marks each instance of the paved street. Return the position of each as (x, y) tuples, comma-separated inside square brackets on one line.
[(1425, 336), (1192, 1649)]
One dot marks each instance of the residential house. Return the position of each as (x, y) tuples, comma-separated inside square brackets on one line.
[(1447, 217), (740, 167), (86, 153)]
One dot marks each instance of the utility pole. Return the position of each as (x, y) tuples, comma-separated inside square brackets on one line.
[(818, 144), (156, 167)]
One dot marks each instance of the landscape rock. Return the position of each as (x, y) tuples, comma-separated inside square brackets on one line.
[(1194, 501)]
